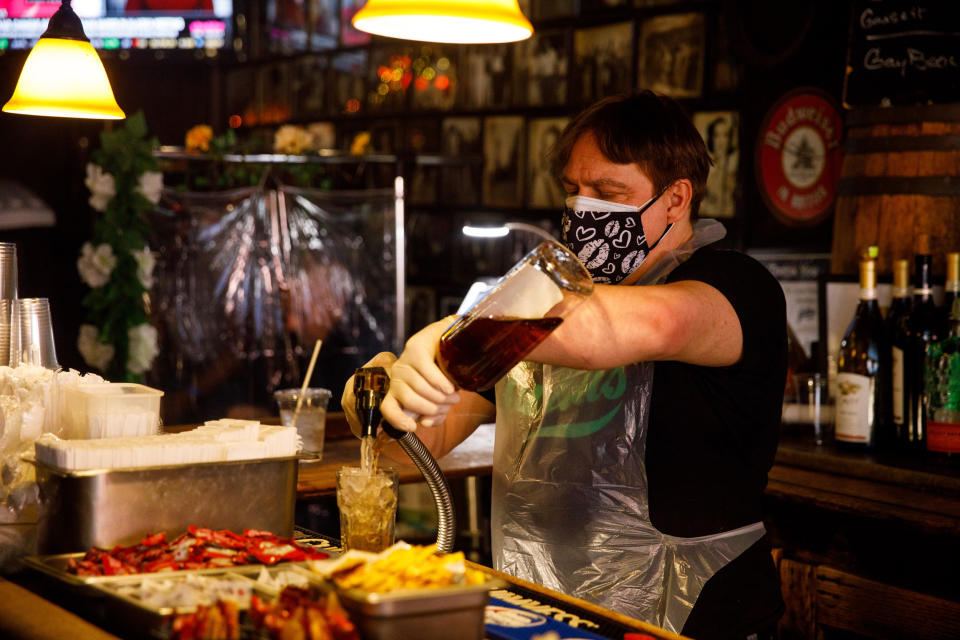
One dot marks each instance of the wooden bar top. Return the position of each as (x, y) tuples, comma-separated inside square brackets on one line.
[(27, 616), (472, 457)]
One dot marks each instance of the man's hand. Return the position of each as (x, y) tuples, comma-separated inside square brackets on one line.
[(420, 393)]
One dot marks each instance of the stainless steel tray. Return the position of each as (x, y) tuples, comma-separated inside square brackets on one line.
[(56, 566), (420, 614), (104, 508)]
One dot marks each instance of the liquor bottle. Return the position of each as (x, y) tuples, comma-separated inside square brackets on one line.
[(923, 328), (896, 320), (943, 389), (863, 365), (951, 288)]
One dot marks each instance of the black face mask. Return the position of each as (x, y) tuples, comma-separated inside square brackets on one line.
[(607, 237)]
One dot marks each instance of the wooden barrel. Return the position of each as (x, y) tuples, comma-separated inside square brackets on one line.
[(900, 179)]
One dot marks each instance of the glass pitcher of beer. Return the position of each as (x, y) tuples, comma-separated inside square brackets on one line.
[(513, 316)]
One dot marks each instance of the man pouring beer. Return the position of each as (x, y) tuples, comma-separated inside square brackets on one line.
[(633, 444)]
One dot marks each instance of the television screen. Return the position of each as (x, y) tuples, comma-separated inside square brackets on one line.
[(125, 24)]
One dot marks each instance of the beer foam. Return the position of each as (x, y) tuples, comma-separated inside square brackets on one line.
[(527, 293)]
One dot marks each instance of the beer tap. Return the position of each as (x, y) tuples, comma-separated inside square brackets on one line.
[(370, 385)]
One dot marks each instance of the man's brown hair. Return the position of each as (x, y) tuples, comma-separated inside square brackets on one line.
[(646, 129)]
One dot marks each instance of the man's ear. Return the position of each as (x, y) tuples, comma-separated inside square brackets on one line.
[(678, 197)]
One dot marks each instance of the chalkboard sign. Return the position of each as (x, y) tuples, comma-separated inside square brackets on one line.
[(903, 53)]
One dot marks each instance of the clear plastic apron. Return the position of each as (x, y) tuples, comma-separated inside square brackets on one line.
[(570, 504)]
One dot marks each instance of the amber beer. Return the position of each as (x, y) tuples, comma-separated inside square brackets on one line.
[(477, 353)]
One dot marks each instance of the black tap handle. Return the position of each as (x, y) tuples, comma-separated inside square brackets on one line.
[(370, 385)]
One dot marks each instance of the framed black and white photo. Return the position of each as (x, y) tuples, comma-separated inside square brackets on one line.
[(487, 72), (503, 161), (389, 76), (543, 188), (435, 77), (670, 55), (310, 86), (541, 65), (551, 9), (326, 26), (347, 72), (602, 61), (422, 136), (460, 179), (720, 133), (350, 37), (421, 308)]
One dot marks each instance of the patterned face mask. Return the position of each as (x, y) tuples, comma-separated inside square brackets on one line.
[(607, 237)]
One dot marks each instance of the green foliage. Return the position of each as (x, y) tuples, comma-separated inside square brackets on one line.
[(125, 153)]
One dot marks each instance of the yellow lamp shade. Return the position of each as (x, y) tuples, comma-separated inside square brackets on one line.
[(456, 21), (64, 78)]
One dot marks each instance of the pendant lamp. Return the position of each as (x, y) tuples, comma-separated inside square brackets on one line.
[(455, 21), (63, 75)]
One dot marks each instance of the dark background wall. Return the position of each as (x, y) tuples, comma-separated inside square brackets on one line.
[(773, 47)]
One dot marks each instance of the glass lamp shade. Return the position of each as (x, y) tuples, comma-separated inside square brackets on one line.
[(65, 78), (455, 21)]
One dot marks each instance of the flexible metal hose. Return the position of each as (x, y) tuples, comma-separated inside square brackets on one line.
[(370, 385), (433, 476)]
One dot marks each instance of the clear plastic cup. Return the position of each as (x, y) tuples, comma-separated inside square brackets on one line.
[(31, 334), (311, 420)]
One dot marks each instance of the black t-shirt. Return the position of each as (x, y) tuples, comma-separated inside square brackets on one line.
[(712, 438)]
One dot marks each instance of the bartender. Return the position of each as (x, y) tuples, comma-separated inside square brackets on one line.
[(632, 448)]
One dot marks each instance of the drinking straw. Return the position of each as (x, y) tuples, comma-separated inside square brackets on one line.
[(306, 381)]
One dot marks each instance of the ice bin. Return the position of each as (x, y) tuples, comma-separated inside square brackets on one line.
[(103, 508)]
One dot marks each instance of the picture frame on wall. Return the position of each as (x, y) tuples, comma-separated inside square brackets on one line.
[(542, 64), (550, 9), (670, 55), (347, 72), (421, 308), (326, 25), (350, 37), (487, 70), (544, 191), (310, 86), (503, 161), (461, 178), (720, 132), (602, 61), (588, 7), (422, 136), (389, 76), (435, 78)]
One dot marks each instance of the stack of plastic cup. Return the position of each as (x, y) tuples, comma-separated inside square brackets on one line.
[(32, 334), (8, 293)]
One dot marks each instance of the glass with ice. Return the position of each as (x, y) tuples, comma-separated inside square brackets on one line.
[(368, 508), (311, 419)]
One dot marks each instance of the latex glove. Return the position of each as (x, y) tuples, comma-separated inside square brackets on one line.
[(420, 393)]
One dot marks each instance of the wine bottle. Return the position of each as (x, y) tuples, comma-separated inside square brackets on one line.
[(943, 389), (896, 321), (862, 366), (923, 328), (951, 288)]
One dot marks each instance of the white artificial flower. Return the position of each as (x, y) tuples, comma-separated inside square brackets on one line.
[(292, 139), (145, 263), (151, 184), (95, 353), (143, 347), (101, 185), (96, 265)]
